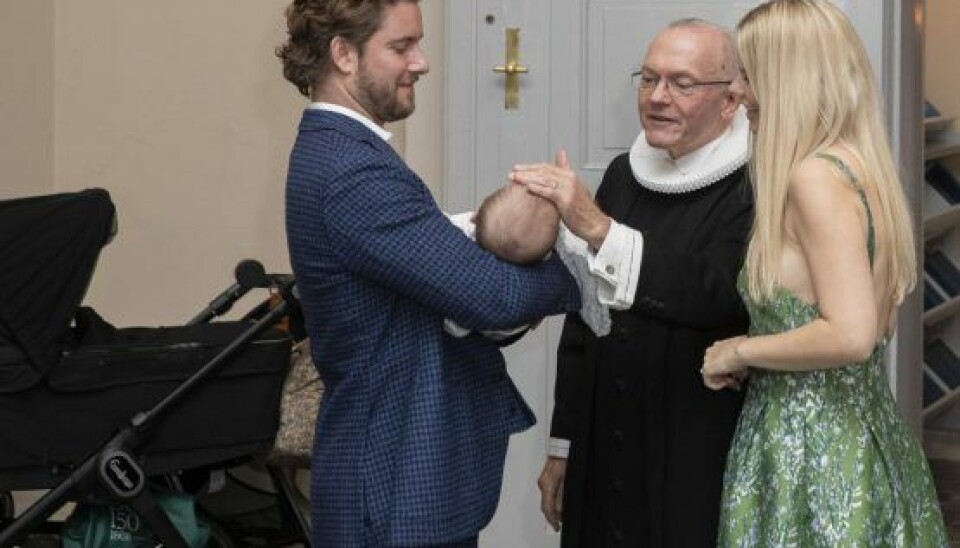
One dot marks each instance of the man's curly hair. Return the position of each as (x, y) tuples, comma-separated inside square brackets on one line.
[(312, 24)]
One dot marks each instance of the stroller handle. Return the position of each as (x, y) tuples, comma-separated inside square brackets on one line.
[(249, 273)]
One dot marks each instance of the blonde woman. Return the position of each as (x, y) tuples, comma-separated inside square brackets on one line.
[(821, 456)]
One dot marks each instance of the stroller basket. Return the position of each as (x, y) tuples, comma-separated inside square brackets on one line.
[(97, 388)]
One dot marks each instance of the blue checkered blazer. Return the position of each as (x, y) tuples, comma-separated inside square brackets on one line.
[(413, 428)]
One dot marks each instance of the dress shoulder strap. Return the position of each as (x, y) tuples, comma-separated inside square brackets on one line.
[(852, 178)]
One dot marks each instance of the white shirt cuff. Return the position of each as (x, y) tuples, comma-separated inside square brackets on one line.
[(558, 448), (464, 221), (616, 266)]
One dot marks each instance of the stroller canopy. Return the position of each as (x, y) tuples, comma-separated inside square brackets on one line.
[(49, 247)]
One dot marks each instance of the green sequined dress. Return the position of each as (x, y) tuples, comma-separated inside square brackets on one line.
[(823, 458)]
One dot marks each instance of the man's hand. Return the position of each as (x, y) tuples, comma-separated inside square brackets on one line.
[(551, 490), (558, 183)]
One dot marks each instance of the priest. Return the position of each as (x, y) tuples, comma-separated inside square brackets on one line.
[(638, 444)]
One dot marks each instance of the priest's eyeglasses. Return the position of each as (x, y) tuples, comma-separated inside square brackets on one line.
[(647, 81)]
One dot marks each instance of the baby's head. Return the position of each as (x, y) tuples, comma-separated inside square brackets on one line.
[(517, 226)]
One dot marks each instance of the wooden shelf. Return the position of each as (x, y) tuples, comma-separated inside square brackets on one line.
[(938, 407), (941, 444), (938, 223), (940, 381), (941, 312), (934, 124), (942, 144)]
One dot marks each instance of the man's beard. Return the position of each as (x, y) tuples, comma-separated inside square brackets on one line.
[(381, 100)]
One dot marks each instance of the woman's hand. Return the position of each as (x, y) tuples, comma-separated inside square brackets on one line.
[(723, 366), (559, 184)]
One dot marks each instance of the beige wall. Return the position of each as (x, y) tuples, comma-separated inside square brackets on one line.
[(424, 145), (942, 76), (26, 98), (179, 109)]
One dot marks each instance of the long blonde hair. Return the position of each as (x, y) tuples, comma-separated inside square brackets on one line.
[(815, 88)]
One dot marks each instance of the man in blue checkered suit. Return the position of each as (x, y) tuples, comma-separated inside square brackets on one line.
[(413, 428)]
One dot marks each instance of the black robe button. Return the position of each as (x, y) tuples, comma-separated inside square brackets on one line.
[(617, 536), (621, 386)]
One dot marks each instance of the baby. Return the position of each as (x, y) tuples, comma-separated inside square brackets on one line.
[(517, 226)]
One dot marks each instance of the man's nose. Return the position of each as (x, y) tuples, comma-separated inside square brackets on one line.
[(661, 92), (418, 62)]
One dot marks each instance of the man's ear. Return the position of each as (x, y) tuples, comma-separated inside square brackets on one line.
[(731, 102), (344, 56)]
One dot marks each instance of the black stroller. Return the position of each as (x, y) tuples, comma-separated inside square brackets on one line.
[(94, 413)]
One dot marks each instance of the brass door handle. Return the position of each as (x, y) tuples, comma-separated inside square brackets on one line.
[(511, 70)]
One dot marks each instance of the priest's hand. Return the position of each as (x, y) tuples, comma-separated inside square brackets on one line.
[(551, 490), (558, 183)]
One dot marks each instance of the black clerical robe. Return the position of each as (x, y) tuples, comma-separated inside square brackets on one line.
[(648, 439)]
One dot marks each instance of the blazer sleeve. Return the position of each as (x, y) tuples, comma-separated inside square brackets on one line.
[(695, 288), (385, 227)]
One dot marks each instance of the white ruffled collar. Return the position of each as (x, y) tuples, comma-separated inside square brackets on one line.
[(656, 171)]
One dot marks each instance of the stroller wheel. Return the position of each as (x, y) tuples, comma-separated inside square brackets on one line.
[(6, 506), (218, 535)]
